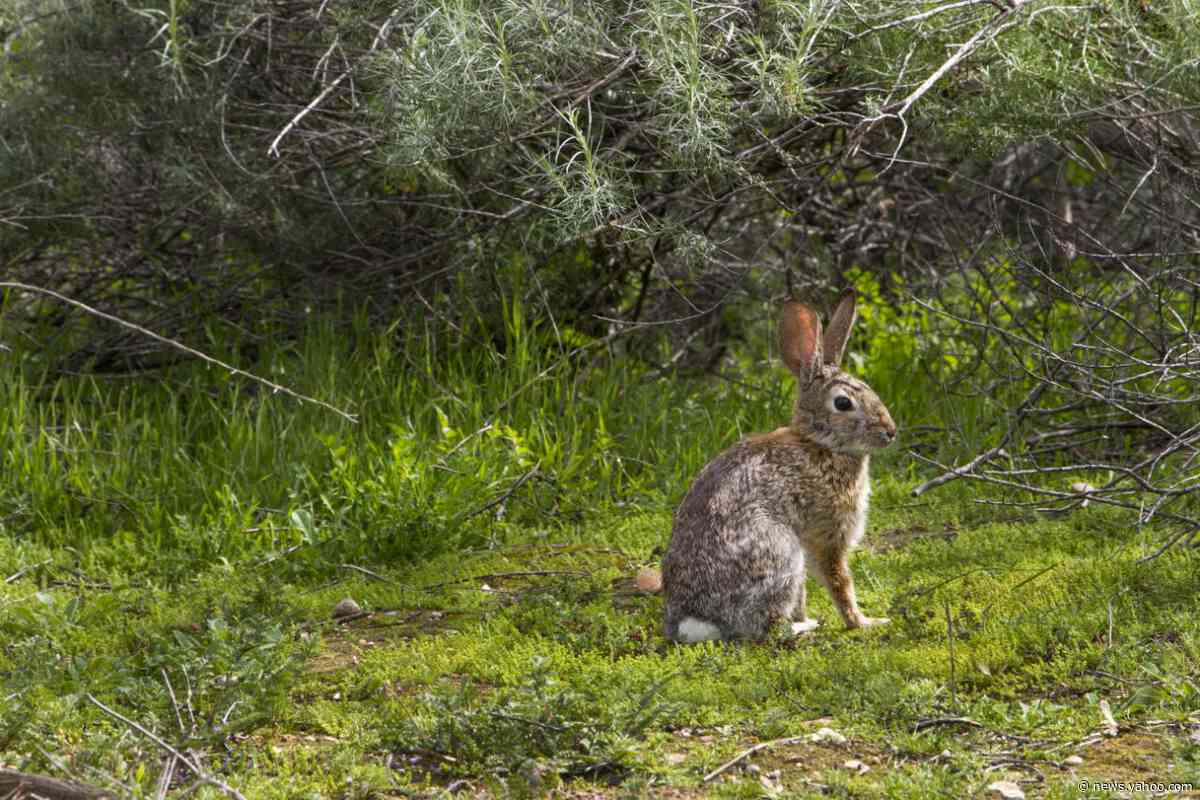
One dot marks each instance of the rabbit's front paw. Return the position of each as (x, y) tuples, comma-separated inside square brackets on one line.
[(804, 626), (868, 622)]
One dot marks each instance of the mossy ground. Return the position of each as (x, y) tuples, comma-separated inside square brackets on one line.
[(536, 666), (171, 551)]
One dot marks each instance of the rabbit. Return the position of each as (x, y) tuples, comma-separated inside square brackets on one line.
[(761, 511)]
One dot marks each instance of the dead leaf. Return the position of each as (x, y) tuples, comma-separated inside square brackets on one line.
[(649, 580), (1109, 725)]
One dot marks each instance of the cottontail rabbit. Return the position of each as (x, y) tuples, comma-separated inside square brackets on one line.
[(772, 503)]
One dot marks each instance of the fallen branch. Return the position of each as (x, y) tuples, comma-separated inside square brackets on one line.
[(926, 724), (19, 784), (25, 570), (275, 387), (740, 757), (190, 763)]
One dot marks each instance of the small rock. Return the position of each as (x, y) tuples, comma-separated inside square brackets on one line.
[(346, 608), (1073, 761), (1005, 790), (753, 769), (854, 765), (827, 735), (676, 758), (1195, 737), (1082, 488), (649, 580)]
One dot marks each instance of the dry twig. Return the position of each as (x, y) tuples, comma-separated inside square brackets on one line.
[(15, 784), (202, 774), (274, 387), (742, 756)]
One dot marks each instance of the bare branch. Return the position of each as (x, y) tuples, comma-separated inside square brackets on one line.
[(274, 387), (190, 763)]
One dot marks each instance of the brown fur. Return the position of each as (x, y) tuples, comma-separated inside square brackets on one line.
[(775, 504)]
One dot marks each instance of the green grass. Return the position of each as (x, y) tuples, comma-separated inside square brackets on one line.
[(177, 547)]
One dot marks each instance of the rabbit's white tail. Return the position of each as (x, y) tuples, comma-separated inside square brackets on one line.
[(696, 630)]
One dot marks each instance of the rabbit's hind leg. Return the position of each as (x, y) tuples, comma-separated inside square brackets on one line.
[(775, 599), (801, 623)]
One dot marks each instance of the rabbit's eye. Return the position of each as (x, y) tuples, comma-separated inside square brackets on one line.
[(843, 403)]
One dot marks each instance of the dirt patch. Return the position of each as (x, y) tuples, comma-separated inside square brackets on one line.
[(895, 538), (1131, 758), (803, 763), (342, 644), (790, 765)]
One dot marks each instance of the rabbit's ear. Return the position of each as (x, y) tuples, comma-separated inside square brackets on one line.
[(838, 332), (800, 339)]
